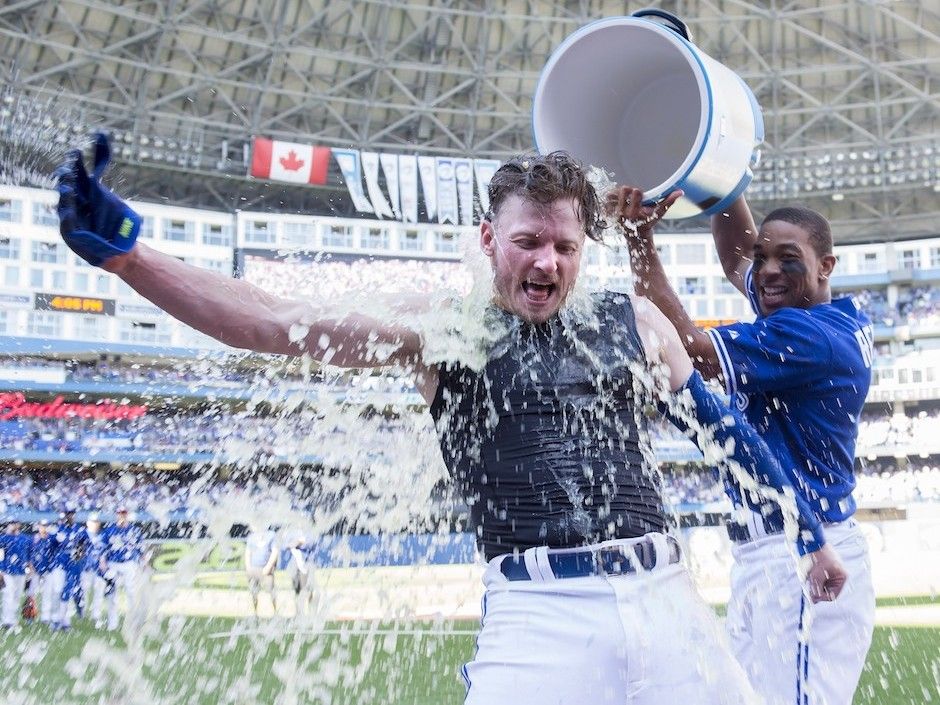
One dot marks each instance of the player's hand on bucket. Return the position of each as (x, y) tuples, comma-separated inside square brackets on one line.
[(625, 204), (96, 224), (825, 574)]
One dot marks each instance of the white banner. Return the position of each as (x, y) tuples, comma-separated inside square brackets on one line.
[(446, 191), (390, 169), (348, 160), (428, 185), (463, 170), (485, 168), (370, 166), (408, 183)]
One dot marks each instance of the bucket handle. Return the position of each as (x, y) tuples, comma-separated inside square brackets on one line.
[(667, 20)]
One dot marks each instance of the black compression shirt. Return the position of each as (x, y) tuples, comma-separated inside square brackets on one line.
[(545, 437)]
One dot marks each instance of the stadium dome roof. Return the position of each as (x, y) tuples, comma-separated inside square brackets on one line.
[(850, 90)]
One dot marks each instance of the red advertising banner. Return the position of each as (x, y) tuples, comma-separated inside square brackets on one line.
[(14, 405)]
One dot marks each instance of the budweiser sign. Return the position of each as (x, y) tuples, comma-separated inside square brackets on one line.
[(14, 405)]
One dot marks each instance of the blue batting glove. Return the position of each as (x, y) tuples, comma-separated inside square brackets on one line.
[(95, 223)]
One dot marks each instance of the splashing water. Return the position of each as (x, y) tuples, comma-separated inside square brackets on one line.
[(35, 134), (365, 466)]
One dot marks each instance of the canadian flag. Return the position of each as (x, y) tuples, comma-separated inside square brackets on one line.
[(289, 161)]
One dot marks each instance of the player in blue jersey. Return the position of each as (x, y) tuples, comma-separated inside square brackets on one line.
[(800, 373), (42, 559), (15, 548), (122, 565), (95, 585), (71, 542)]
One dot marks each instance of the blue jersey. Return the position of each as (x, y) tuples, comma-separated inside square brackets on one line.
[(15, 553), (43, 553), (96, 549), (70, 544), (123, 543), (801, 377)]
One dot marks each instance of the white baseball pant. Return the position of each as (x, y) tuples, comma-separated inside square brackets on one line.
[(43, 592), (636, 639), (13, 588), (127, 576), (93, 587), (764, 618)]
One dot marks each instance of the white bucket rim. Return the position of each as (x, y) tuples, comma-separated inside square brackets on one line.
[(687, 50)]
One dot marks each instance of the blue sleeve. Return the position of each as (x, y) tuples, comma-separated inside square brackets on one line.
[(720, 423), (787, 349)]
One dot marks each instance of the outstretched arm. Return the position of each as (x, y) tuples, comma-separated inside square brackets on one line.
[(102, 229), (735, 233)]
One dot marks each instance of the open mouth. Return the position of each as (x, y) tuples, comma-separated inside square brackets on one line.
[(538, 292), (773, 294)]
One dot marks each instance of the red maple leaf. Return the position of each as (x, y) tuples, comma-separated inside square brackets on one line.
[(291, 162)]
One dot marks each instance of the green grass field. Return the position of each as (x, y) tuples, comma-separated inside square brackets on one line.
[(207, 661)]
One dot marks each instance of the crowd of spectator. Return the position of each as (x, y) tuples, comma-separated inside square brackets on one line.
[(316, 280), (918, 305), (684, 488)]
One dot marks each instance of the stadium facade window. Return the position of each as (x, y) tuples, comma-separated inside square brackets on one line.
[(4, 322), (59, 280), (217, 234), (11, 276), (179, 231), (690, 253), (701, 308), (147, 227), (123, 289), (260, 232), (49, 252), (692, 286), (618, 256), (298, 234), (44, 324), (592, 255), (665, 253), (935, 257), (910, 260), (720, 305), (80, 282), (91, 327), (9, 248), (143, 332), (103, 284), (621, 284), (37, 278), (338, 236), (215, 265), (445, 242), (412, 241), (11, 210), (737, 308), (375, 239), (720, 285), (870, 262), (44, 214)]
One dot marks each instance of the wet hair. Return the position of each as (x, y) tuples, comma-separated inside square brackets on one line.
[(815, 225), (544, 179)]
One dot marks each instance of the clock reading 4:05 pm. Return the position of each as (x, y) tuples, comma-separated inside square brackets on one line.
[(74, 304)]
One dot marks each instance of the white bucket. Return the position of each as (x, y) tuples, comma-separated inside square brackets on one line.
[(631, 96)]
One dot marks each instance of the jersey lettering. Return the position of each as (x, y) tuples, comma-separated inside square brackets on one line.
[(866, 343)]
